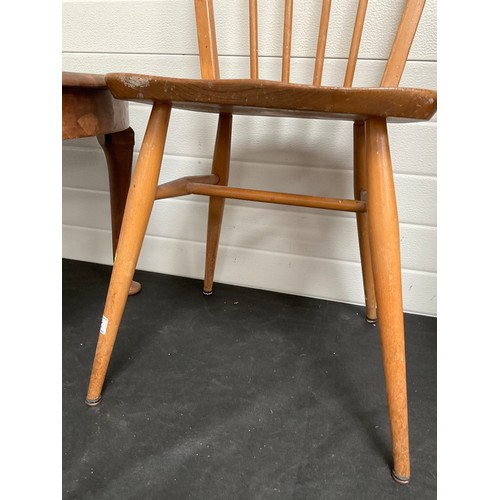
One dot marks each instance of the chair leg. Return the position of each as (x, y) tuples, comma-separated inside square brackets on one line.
[(360, 189), (385, 251), (220, 167), (135, 220), (119, 150)]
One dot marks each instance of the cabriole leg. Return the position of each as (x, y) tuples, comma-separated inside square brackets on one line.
[(118, 148)]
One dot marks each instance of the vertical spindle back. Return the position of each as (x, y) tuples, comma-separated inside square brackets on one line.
[(209, 61)]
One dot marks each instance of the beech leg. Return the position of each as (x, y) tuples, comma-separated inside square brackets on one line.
[(135, 220), (385, 252), (360, 189), (119, 151), (220, 167)]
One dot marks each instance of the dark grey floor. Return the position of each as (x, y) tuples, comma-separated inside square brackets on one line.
[(243, 395)]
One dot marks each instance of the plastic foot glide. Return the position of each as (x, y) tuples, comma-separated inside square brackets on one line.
[(93, 402), (400, 479)]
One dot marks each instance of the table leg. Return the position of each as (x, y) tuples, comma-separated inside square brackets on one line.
[(119, 149)]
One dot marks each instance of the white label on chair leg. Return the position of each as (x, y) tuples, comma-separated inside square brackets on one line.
[(104, 325)]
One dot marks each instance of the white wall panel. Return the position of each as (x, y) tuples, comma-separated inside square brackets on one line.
[(167, 27), (295, 274), (287, 249), (303, 232)]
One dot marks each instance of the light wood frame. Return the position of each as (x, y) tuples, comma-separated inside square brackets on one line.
[(374, 195)]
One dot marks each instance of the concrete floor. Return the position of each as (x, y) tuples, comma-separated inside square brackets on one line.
[(245, 394)]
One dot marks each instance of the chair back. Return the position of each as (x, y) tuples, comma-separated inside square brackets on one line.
[(209, 61)]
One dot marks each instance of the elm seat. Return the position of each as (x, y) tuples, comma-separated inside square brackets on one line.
[(374, 195), (274, 98)]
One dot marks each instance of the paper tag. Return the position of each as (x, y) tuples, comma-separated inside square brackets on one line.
[(104, 325)]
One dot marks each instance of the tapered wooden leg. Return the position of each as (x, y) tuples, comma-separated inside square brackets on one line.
[(385, 251), (119, 151), (360, 189), (220, 167), (135, 220)]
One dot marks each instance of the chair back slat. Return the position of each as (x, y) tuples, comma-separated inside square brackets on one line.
[(254, 40), (287, 41), (402, 43), (320, 49), (207, 40), (355, 42)]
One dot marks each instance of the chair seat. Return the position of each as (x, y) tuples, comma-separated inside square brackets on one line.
[(273, 98)]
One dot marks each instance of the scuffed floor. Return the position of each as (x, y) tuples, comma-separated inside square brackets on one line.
[(242, 395)]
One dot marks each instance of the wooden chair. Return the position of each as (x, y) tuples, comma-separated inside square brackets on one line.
[(374, 196)]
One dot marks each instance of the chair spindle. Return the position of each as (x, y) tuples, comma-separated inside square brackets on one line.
[(254, 40), (355, 42), (322, 36), (287, 41), (207, 40), (402, 43)]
